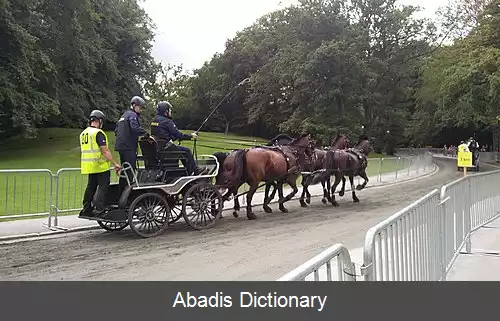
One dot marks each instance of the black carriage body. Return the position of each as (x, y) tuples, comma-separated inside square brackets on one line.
[(161, 181)]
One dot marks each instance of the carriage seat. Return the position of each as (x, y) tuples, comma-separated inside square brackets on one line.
[(164, 162)]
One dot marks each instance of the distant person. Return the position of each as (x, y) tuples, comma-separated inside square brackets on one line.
[(95, 161), (463, 147), (127, 131), (472, 144), (164, 128)]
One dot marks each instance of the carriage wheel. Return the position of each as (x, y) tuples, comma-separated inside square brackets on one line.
[(112, 226), (175, 213), (202, 206), (149, 215)]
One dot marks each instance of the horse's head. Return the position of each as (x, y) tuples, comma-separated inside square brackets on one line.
[(303, 147), (364, 145), (341, 141)]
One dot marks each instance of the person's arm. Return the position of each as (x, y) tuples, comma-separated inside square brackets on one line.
[(136, 127), (101, 141), (175, 133)]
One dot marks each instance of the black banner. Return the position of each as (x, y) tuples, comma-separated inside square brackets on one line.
[(252, 301)]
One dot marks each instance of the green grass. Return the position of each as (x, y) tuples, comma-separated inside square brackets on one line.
[(56, 148)]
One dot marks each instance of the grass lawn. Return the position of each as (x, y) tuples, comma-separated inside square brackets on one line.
[(55, 148)]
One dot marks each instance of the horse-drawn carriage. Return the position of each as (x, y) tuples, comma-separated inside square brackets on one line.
[(161, 193)]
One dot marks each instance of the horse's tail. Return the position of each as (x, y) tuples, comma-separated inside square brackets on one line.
[(221, 157), (238, 169)]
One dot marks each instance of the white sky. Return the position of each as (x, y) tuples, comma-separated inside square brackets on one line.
[(189, 32)]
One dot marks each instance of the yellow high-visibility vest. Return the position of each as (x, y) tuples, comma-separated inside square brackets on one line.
[(462, 148), (92, 160)]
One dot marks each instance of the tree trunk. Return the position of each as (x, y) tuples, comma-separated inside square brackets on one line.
[(226, 131)]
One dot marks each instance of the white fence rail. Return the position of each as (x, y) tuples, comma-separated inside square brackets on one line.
[(320, 266), (422, 241)]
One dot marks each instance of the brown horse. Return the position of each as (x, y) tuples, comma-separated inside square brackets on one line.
[(226, 163), (351, 162), (318, 162), (269, 164)]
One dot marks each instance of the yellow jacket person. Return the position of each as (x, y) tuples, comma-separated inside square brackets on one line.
[(96, 160)]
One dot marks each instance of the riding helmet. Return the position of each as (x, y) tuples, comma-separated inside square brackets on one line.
[(138, 101), (163, 107), (96, 114)]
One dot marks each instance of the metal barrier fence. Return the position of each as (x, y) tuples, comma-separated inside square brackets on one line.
[(42, 193), (322, 264), (422, 241)]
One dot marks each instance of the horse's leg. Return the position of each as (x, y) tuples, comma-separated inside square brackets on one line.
[(292, 181), (338, 178), (275, 188), (308, 195), (236, 208), (325, 193), (342, 190), (267, 198), (363, 175), (328, 187), (353, 190), (304, 191), (281, 198), (251, 192)]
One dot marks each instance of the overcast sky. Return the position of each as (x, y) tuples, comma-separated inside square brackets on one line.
[(189, 32)]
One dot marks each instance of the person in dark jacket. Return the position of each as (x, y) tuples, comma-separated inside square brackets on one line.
[(127, 132), (163, 127)]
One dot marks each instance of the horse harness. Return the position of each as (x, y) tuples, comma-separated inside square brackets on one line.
[(294, 152), (361, 157)]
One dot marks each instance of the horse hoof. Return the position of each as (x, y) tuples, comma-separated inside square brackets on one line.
[(341, 194), (303, 204), (284, 210), (267, 209), (308, 200), (355, 200), (359, 187), (324, 200), (251, 216), (235, 214), (335, 204)]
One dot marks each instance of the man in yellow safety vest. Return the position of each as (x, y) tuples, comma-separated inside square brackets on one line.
[(463, 147), (96, 160)]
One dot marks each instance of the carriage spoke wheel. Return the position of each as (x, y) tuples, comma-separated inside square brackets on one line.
[(112, 226), (175, 213), (149, 215), (202, 206)]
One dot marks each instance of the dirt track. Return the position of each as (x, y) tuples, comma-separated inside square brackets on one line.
[(235, 249)]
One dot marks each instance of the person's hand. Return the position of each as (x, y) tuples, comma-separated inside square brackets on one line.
[(117, 168), (194, 135), (147, 135)]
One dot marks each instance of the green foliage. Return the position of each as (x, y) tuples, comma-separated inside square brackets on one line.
[(62, 58)]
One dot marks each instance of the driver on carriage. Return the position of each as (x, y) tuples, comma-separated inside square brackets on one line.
[(164, 128)]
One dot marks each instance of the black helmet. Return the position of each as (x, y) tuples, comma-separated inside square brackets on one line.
[(138, 101), (96, 114), (163, 107)]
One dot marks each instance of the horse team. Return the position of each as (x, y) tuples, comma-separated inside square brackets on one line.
[(283, 160)]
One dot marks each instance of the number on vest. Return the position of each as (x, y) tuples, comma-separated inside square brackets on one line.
[(85, 138)]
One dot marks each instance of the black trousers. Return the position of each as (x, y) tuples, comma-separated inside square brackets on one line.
[(128, 156), (95, 181)]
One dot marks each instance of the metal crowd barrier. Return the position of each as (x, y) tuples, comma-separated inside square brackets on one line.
[(322, 264), (422, 241)]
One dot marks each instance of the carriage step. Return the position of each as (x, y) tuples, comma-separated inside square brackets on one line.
[(112, 216)]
